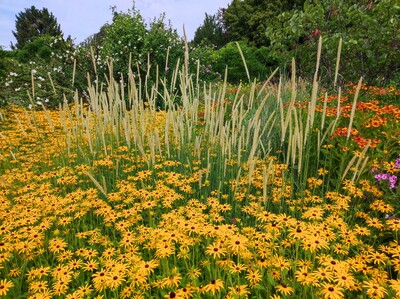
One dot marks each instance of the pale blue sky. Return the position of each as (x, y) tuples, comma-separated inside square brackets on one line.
[(82, 18)]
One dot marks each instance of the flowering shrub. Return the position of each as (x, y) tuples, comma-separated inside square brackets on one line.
[(43, 68)]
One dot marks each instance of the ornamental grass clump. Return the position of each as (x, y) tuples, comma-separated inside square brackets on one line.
[(268, 196)]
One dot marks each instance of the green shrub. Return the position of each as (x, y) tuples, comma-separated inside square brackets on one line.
[(257, 60)]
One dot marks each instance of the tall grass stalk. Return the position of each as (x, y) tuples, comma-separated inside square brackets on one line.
[(353, 108), (339, 52), (254, 126)]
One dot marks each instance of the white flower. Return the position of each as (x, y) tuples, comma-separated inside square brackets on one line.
[(30, 106), (41, 78), (46, 100), (34, 71)]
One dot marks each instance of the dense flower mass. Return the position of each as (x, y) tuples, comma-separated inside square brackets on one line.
[(191, 202)]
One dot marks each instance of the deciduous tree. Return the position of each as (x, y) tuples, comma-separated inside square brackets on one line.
[(245, 20)]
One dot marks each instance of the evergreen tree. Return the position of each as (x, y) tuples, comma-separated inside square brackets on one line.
[(211, 32), (32, 23)]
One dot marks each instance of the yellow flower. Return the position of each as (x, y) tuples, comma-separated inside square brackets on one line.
[(253, 276), (238, 291), (215, 250), (114, 280), (345, 280), (303, 276), (323, 274), (214, 286), (38, 286), (331, 291), (5, 285), (395, 285), (374, 290), (284, 289), (99, 280), (194, 273), (238, 244), (57, 244), (172, 280), (90, 265), (147, 267), (237, 268)]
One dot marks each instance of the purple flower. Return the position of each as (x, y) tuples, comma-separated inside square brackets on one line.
[(393, 181), (382, 176), (397, 162)]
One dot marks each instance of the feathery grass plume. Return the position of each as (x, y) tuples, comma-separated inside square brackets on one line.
[(337, 62), (314, 95), (266, 174), (73, 72), (33, 114), (4, 182), (94, 62), (20, 125), (324, 111), (362, 158), (51, 82), (244, 61), (48, 117), (97, 184), (359, 159), (33, 84), (353, 108)]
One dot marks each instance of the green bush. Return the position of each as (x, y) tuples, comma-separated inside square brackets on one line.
[(257, 60)]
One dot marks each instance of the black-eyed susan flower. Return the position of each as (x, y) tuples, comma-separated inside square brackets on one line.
[(147, 267), (253, 276), (284, 289), (215, 250), (114, 280), (331, 291), (239, 291), (5, 286), (214, 286), (374, 289)]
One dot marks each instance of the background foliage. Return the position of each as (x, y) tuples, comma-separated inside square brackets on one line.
[(270, 34), (369, 30)]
